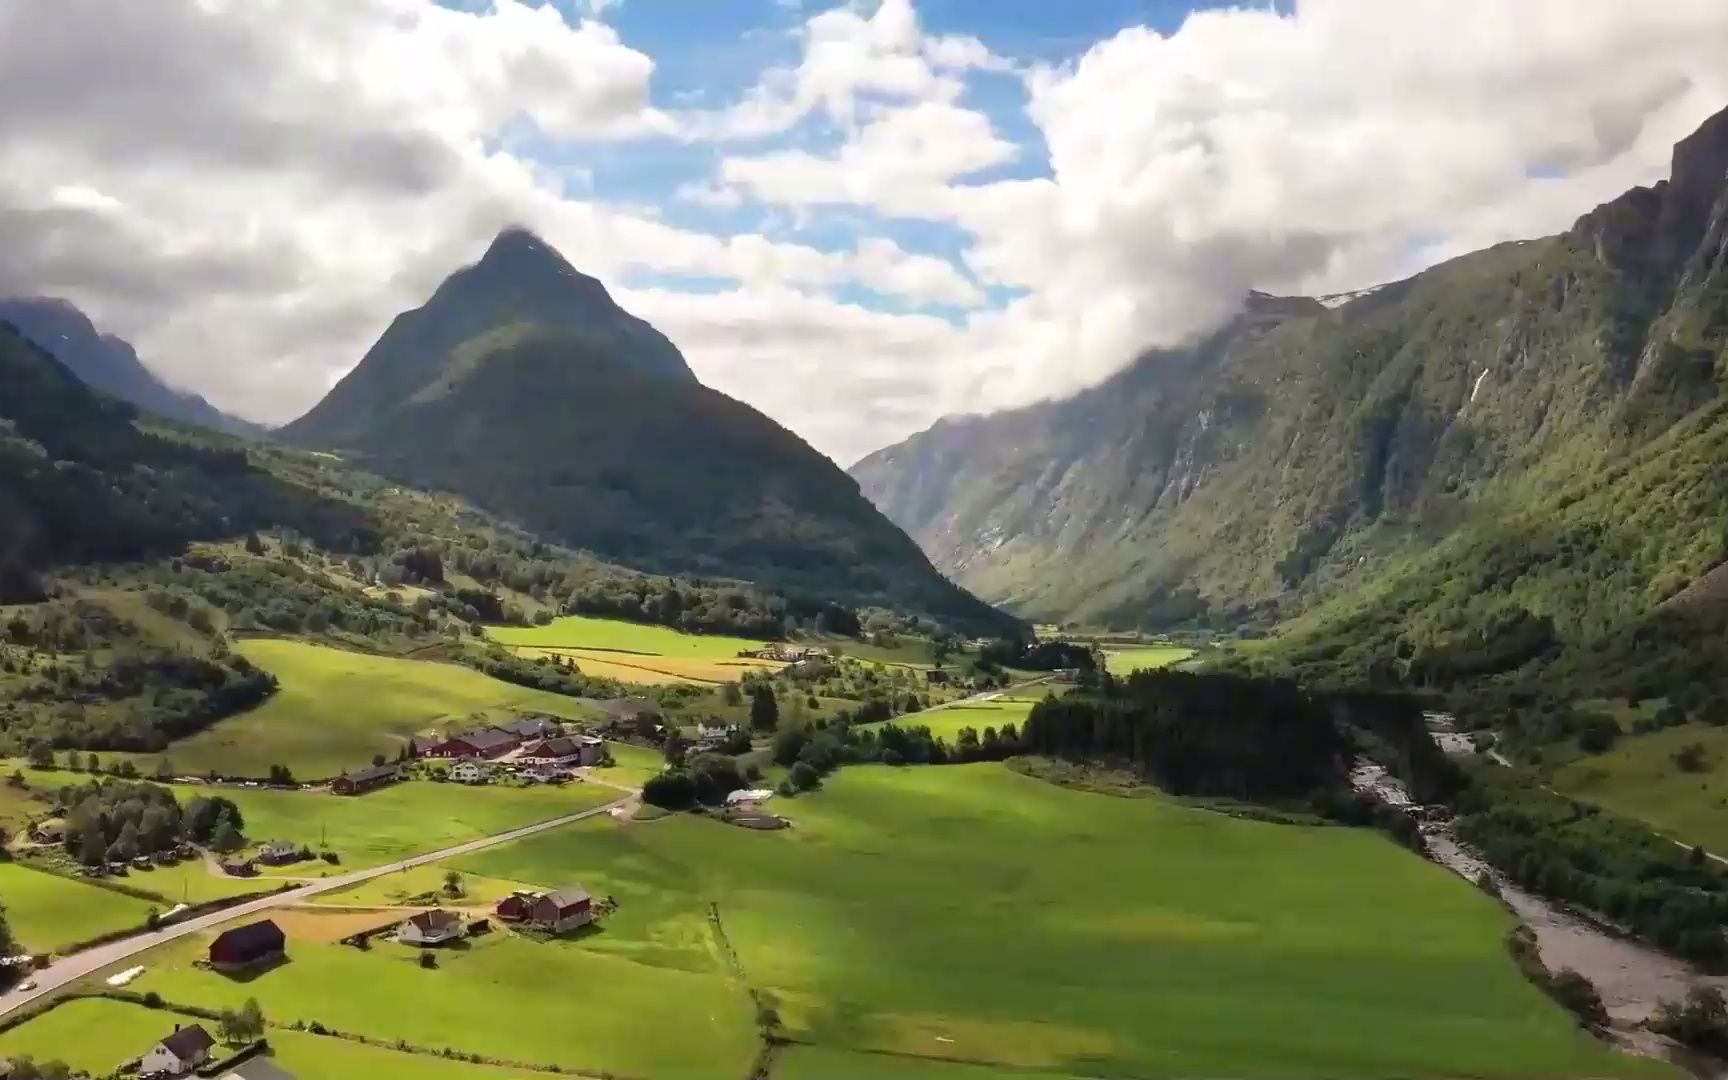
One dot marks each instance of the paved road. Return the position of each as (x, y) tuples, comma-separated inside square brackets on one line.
[(74, 967)]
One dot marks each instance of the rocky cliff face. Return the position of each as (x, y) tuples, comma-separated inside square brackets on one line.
[(1305, 448)]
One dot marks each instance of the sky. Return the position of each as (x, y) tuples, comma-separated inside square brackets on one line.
[(857, 217)]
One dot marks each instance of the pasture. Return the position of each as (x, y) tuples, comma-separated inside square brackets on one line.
[(968, 913), (633, 652), (336, 709), (1127, 659), (550, 1003), (1637, 777), (123, 1031), (48, 912), (947, 721), (395, 821)]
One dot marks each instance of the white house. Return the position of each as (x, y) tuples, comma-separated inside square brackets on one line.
[(749, 796), (433, 927), (179, 1053), (469, 772)]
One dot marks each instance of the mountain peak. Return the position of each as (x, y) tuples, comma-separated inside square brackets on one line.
[(516, 242)]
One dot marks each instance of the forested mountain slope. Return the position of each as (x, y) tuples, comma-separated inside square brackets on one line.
[(109, 364), (1307, 451), (522, 387)]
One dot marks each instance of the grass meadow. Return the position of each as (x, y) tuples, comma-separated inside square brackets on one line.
[(1638, 778), (551, 1003), (633, 652), (947, 721), (336, 709), (968, 913), (1126, 660), (397, 821), (48, 912), (64, 1034)]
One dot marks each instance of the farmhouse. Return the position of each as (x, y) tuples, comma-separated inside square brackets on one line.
[(470, 772), (51, 831), (433, 927), (424, 745), (530, 727), (517, 907), (564, 910), (248, 946), (364, 780), (179, 1053), (478, 743), (566, 750), (277, 852)]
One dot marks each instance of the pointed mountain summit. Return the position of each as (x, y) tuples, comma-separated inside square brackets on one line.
[(522, 284), (109, 364), (521, 386)]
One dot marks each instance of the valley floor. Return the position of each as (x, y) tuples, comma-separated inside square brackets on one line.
[(957, 922)]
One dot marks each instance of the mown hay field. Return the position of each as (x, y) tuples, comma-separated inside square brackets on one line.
[(1129, 659), (969, 913), (336, 709), (1638, 777)]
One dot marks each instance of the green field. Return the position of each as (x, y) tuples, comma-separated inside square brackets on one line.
[(64, 1034), (970, 913), (556, 1003), (396, 821), (1638, 778), (1129, 659), (947, 721), (585, 632), (47, 912), (336, 709)]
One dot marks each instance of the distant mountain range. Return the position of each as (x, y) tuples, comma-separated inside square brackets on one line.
[(1530, 434), (523, 387), (109, 364)]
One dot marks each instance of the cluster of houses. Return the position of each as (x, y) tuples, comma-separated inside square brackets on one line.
[(790, 654), (534, 746)]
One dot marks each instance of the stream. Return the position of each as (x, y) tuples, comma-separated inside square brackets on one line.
[(1633, 979)]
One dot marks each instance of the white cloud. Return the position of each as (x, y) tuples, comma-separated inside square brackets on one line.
[(848, 57), (1327, 148), (251, 190)]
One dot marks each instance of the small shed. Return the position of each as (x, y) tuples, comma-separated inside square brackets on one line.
[(249, 946)]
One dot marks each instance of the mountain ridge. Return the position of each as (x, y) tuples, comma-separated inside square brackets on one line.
[(109, 363), (1276, 463)]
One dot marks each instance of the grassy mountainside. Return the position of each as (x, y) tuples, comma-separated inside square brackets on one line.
[(521, 386), (109, 364), (1307, 452)]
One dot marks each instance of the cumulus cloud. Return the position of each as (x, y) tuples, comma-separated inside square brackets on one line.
[(1327, 147), (251, 189)]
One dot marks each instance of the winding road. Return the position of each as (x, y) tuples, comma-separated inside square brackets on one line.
[(68, 969)]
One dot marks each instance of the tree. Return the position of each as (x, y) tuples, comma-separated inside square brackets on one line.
[(41, 756), (377, 760), (1691, 758), (251, 1019), (202, 812), (452, 883), (673, 790), (731, 694), (90, 847), (1579, 995), (675, 748), (125, 846), (254, 546), (225, 837), (804, 776), (764, 709)]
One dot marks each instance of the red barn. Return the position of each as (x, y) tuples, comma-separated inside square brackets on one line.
[(479, 743), (564, 910), (517, 907), (252, 945)]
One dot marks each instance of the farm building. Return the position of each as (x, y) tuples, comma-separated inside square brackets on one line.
[(530, 727), (424, 745), (566, 750), (630, 710), (51, 831), (256, 1069), (564, 910), (936, 678), (470, 772), (478, 743), (277, 852), (364, 780), (240, 867), (749, 797), (433, 927), (248, 946), (178, 1054), (517, 907)]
